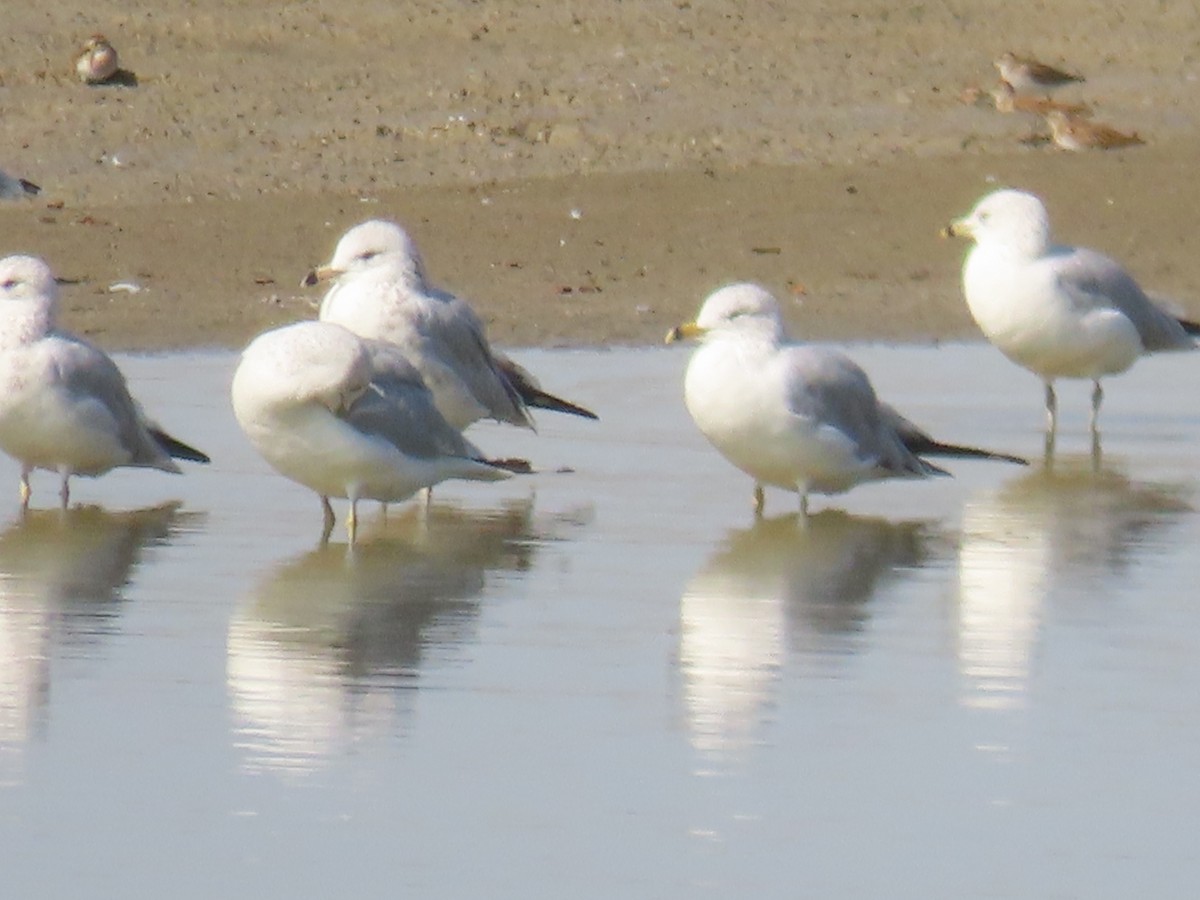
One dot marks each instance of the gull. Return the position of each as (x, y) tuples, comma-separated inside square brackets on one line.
[(1071, 131), (797, 417), (13, 188), (1025, 74), (64, 404), (380, 291), (348, 418), (97, 61), (1056, 310)]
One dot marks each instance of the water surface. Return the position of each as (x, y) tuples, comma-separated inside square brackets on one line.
[(607, 679)]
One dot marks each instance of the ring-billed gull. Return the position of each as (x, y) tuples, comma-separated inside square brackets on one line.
[(1059, 311), (797, 417), (380, 291), (64, 404), (348, 418)]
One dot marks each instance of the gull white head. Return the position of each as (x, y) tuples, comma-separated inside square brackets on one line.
[(302, 363), (373, 246), (1012, 221), (27, 287), (744, 308)]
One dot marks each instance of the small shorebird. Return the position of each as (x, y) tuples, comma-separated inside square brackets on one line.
[(1031, 76), (1007, 100), (1072, 132), (97, 61)]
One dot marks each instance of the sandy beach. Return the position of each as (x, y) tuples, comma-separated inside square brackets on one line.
[(584, 174)]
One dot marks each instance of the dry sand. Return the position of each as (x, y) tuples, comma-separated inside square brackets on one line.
[(583, 172)]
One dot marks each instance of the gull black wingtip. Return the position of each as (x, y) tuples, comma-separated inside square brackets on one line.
[(177, 449)]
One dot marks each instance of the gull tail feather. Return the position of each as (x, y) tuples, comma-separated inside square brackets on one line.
[(513, 464), (923, 445), (177, 449), (539, 399), (1192, 328), (532, 395)]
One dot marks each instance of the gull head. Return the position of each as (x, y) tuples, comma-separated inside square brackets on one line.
[(741, 308), (1014, 221), (27, 278), (300, 364), (370, 246)]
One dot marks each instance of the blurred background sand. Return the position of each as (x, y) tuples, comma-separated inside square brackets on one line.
[(583, 172)]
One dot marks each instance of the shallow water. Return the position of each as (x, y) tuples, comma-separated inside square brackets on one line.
[(611, 681)]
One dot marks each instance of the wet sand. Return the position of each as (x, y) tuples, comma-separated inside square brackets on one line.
[(584, 176)]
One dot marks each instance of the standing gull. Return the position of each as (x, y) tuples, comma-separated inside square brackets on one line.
[(1059, 311), (797, 417), (380, 291), (348, 418), (64, 405)]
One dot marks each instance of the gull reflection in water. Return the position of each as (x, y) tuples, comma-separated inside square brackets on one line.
[(1070, 527), (780, 581), (329, 648), (61, 578)]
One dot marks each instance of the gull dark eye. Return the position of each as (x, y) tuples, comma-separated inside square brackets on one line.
[(9, 283), (368, 255)]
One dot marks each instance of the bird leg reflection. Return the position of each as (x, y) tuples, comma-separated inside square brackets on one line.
[(352, 520), (328, 520), (64, 490), (25, 490), (1051, 408), (1048, 449), (1097, 397)]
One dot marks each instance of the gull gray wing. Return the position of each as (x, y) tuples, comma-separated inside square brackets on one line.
[(827, 387), (455, 336), (1094, 282), (90, 376), (398, 407)]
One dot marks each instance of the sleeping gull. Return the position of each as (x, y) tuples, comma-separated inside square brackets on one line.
[(64, 405), (380, 291), (797, 417), (1059, 311), (348, 418)]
